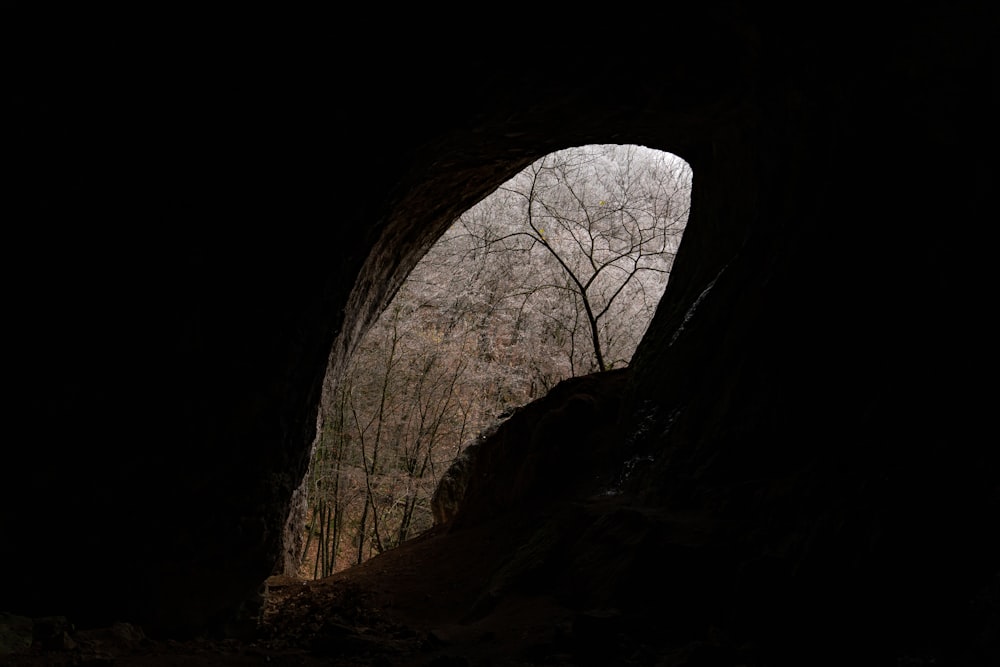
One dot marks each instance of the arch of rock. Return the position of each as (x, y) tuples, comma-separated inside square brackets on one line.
[(196, 236)]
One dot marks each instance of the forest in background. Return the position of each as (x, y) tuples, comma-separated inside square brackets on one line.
[(556, 274)]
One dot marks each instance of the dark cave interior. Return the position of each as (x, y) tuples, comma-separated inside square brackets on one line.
[(200, 222)]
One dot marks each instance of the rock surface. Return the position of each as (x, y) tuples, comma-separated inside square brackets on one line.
[(202, 223)]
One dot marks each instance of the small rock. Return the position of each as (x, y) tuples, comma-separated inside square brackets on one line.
[(16, 633)]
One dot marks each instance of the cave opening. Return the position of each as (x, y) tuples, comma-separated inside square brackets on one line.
[(556, 274), (189, 251)]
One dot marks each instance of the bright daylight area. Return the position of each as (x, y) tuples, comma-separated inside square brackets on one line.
[(556, 274)]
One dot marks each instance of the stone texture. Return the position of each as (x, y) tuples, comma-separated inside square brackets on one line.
[(15, 633), (450, 491), (549, 448)]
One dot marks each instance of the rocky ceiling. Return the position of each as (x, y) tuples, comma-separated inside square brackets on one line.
[(195, 221)]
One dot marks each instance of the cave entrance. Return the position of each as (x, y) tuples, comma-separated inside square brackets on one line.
[(556, 274)]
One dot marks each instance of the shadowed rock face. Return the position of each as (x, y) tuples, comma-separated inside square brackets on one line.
[(196, 234), (563, 445)]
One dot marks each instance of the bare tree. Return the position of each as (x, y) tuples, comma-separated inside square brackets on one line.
[(601, 216), (555, 274)]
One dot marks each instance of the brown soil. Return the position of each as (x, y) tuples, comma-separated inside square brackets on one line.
[(420, 604), (440, 599), (522, 577)]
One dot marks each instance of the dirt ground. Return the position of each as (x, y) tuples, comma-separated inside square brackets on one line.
[(426, 603), (436, 601), (478, 595)]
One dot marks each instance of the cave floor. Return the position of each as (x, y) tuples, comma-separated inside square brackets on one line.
[(441, 599), (421, 604)]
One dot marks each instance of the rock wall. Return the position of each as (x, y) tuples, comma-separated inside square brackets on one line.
[(562, 445), (203, 223)]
